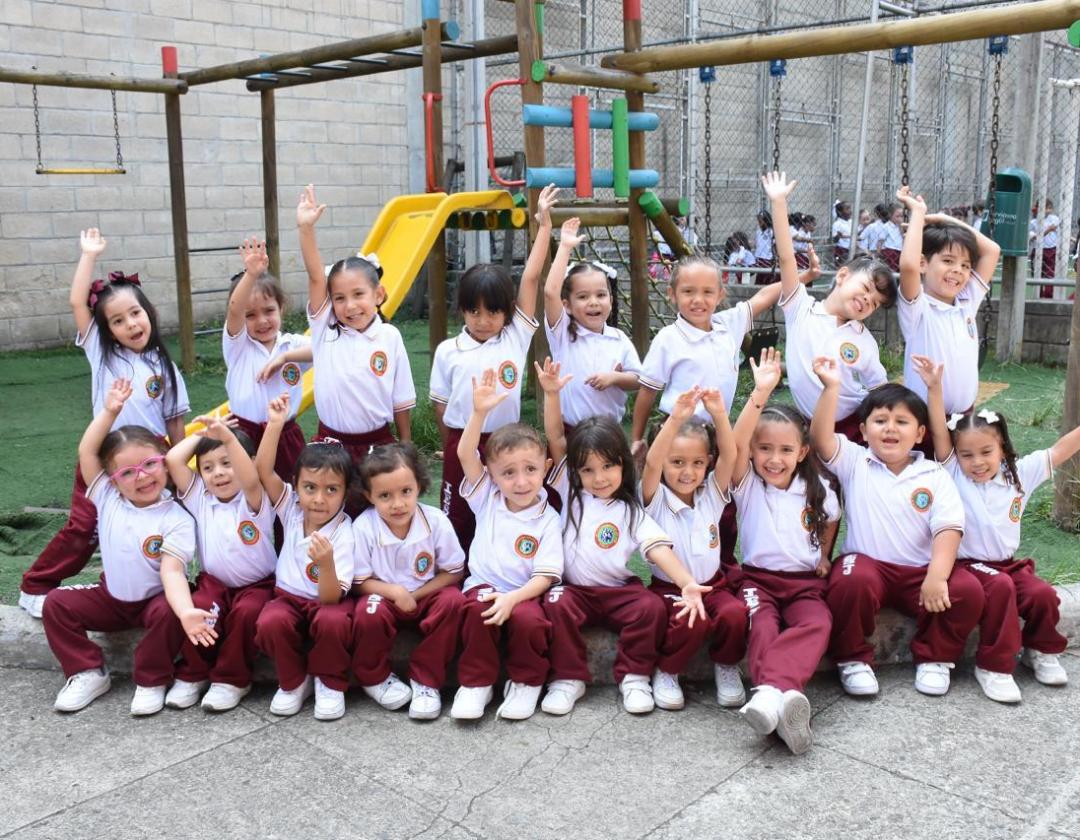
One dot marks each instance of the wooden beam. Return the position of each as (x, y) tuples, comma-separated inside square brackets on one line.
[(436, 259), (600, 216), (75, 80), (638, 229), (270, 182), (178, 207), (566, 73), (929, 29)]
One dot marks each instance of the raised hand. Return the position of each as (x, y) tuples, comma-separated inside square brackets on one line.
[(216, 428), (910, 201), (253, 252), (308, 211), (713, 401), (485, 396), (548, 198), (549, 378), (768, 371), (826, 369), (117, 395), (277, 410), (685, 403), (568, 234), (270, 369), (91, 241), (777, 185), (928, 371)]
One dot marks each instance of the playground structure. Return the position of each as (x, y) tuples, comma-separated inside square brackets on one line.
[(411, 230)]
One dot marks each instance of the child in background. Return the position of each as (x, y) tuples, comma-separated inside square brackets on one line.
[(841, 232), (995, 486), (497, 334), (514, 559), (412, 564), (737, 253), (117, 328), (684, 488), (802, 233), (864, 232), (788, 519), (876, 229), (147, 541), (904, 525), (891, 239), (763, 248), (315, 569), (1050, 238)]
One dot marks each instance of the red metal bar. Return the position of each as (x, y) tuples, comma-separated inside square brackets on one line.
[(429, 124), (169, 64), (579, 108), (631, 10), (502, 182)]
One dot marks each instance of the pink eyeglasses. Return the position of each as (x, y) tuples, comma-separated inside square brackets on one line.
[(150, 466)]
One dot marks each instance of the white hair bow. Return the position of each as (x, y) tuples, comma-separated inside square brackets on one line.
[(603, 268), (988, 415), (372, 258), (953, 420)]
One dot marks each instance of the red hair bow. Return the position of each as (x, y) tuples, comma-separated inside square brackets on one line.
[(98, 286)]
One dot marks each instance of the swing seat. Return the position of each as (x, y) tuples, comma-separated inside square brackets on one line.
[(756, 340), (80, 170)]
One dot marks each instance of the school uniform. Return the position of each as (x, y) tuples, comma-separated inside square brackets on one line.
[(945, 332), (790, 621), (873, 233), (813, 332), (891, 523), (1049, 253), (741, 257), (892, 240), (993, 510), (130, 593), (296, 614), (600, 589), (149, 406), (457, 360), (865, 232), (801, 240), (586, 353), (237, 560), (430, 547), (841, 234), (695, 535), (763, 255), (510, 548), (248, 398)]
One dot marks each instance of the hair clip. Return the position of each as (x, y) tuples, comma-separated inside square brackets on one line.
[(988, 415), (372, 258), (953, 421), (327, 441), (120, 277), (604, 268), (96, 288)]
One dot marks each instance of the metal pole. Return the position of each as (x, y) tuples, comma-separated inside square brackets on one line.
[(860, 161)]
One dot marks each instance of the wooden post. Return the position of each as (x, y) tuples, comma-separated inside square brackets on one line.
[(639, 246), (178, 202), (1010, 328), (436, 258), (1067, 476), (270, 185)]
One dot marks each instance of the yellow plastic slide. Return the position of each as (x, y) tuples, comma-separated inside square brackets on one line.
[(402, 236)]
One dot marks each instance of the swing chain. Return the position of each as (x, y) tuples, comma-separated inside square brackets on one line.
[(37, 128), (116, 133), (776, 123), (994, 133), (708, 168), (904, 146)]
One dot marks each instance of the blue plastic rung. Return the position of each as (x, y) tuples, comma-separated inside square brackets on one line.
[(536, 177), (903, 55), (998, 44), (429, 9), (554, 116), (778, 67), (706, 74)]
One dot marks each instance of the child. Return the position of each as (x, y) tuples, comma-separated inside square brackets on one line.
[(864, 232), (763, 248), (117, 328), (251, 343), (995, 486), (904, 524), (413, 565), (841, 232), (497, 334), (788, 519), (516, 556), (603, 525), (737, 253), (315, 569), (937, 316), (577, 308), (833, 327), (147, 540), (802, 226), (891, 239), (234, 525), (684, 488), (1050, 237), (875, 231)]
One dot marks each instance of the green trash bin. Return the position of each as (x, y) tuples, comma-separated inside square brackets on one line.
[(1012, 210)]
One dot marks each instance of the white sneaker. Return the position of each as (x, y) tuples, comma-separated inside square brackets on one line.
[(998, 686), (288, 702), (329, 702), (33, 604), (426, 702), (637, 696), (729, 688), (667, 693), (793, 724), (932, 678), (1047, 668), (519, 701), (763, 710), (391, 693), (470, 702), (562, 695), (147, 700), (82, 689), (222, 696), (858, 679), (184, 694)]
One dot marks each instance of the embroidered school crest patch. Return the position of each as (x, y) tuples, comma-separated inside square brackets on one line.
[(921, 499), (607, 535), (1014, 509), (379, 364), (849, 353), (248, 532), (508, 374), (291, 374), (312, 571), (151, 546), (714, 536), (526, 546), (805, 518), (154, 387), (422, 564)]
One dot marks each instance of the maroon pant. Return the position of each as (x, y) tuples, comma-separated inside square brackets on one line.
[(840, 256), (453, 503), (528, 634), (290, 445), (1049, 266), (231, 658), (764, 278), (636, 614), (68, 552), (891, 258), (375, 624), (725, 626), (1013, 592), (288, 621), (72, 610), (859, 586), (789, 626), (358, 447), (729, 536)]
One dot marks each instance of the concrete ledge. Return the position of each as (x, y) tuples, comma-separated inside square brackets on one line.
[(23, 644)]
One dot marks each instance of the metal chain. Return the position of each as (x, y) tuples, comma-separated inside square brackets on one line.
[(37, 129), (994, 137), (116, 133), (776, 123), (904, 147), (708, 168)]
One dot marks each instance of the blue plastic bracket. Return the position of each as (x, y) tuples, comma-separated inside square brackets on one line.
[(706, 74), (998, 45), (778, 67), (903, 55)]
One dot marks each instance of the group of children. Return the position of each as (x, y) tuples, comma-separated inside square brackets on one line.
[(317, 553)]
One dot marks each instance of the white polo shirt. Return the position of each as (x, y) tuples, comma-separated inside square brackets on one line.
[(894, 518), (812, 332), (431, 546), (297, 573), (946, 333), (875, 233), (511, 547), (133, 539), (682, 356), (245, 357), (586, 354), (841, 231), (694, 531), (597, 551), (774, 530), (1051, 239), (148, 405), (361, 378), (458, 359), (891, 237), (763, 244), (236, 544), (994, 508), (865, 233)]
